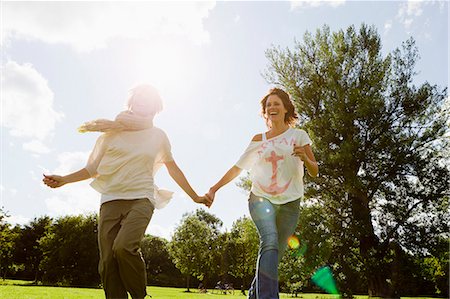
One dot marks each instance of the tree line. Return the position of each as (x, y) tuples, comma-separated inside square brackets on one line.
[(377, 215), (64, 252)]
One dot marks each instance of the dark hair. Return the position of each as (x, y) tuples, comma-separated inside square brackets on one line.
[(291, 116)]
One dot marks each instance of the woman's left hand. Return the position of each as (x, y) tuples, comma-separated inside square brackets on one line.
[(204, 200)]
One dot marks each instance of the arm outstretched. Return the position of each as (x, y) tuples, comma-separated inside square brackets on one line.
[(56, 181), (179, 177)]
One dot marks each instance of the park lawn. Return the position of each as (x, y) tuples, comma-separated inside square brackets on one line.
[(17, 289)]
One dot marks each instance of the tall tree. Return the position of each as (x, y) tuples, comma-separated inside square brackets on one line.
[(161, 271), (379, 140), (219, 258), (243, 250), (190, 247), (7, 239), (71, 252), (27, 251)]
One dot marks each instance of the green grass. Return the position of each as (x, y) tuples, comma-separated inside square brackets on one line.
[(18, 289)]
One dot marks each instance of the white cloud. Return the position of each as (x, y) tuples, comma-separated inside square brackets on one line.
[(408, 11), (71, 161), (76, 198), (9, 193), (18, 219), (36, 146), (315, 3), (90, 25), (27, 102), (387, 26)]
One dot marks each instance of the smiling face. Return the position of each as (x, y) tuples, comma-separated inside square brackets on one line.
[(274, 109), (276, 106)]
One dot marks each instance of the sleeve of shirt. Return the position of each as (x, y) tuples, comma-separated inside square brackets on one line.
[(303, 138), (164, 154), (166, 150), (249, 157), (96, 155)]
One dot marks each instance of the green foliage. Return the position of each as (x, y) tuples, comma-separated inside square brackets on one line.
[(242, 250), (190, 247), (161, 271), (27, 251), (211, 220), (71, 252), (379, 142), (7, 240)]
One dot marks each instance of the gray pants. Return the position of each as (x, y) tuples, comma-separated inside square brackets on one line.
[(121, 227)]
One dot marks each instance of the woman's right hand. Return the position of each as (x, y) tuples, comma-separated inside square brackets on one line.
[(211, 194), (204, 200), (54, 181)]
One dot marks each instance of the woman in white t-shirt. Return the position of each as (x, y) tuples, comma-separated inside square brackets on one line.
[(123, 163), (276, 160)]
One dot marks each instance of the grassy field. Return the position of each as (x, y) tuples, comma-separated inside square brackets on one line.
[(16, 289)]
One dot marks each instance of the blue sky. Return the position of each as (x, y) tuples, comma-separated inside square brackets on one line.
[(66, 63)]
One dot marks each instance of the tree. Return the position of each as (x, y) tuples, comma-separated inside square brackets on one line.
[(161, 271), (27, 251), (211, 220), (218, 269), (379, 140), (309, 248), (7, 239), (71, 252), (190, 247), (243, 250)]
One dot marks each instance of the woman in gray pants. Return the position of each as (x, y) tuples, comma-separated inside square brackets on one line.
[(123, 163)]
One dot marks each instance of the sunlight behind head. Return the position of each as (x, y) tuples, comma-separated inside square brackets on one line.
[(161, 62), (144, 100)]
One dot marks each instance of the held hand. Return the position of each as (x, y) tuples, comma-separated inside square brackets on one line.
[(204, 200), (211, 194), (53, 181), (300, 152)]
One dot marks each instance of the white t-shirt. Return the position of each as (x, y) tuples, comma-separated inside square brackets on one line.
[(275, 173), (124, 164)]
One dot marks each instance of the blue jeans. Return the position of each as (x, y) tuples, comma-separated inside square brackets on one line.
[(275, 224)]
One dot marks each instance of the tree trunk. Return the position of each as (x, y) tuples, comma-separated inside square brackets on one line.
[(188, 277), (371, 252)]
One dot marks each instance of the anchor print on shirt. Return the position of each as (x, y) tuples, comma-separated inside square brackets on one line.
[(273, 188)]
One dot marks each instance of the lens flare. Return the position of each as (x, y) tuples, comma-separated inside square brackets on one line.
[(323, 278), (298, 247), (293, 242)]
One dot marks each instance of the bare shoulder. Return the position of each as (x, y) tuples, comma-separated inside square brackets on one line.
[(257, 137)]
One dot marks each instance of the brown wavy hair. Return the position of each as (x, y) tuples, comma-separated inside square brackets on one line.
[(291, 116)]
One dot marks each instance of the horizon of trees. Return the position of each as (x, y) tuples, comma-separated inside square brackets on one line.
[(64, 252)]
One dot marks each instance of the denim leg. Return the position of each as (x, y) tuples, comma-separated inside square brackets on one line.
[(252, 290), (287, 220), (263, 214)]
